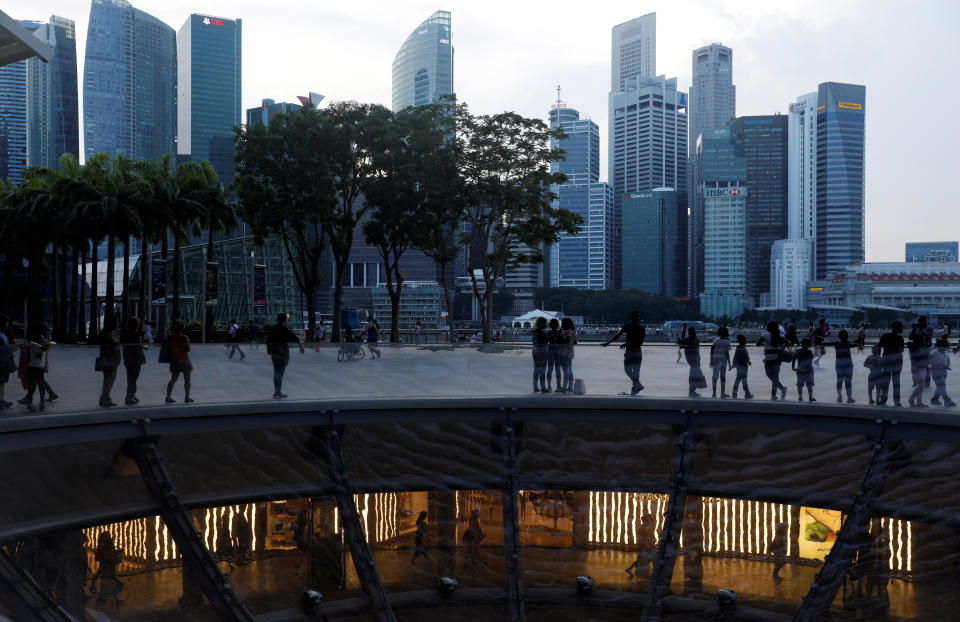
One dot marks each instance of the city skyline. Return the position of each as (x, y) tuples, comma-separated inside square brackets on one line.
[(782, 51)]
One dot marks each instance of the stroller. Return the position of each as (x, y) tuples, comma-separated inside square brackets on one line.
[(350, 351)]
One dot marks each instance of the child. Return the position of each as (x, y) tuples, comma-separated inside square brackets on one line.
[(37, 364), (691, 350), (720, 360), (803, 365), (939, 364), (741, 361), (872, 363), (844, 366), (919, 358)]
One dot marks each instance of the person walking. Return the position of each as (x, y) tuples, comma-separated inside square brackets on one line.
[(679, 341), (147, 333), (779, 549), (861, 338), (891, 359), (843, 366), (939, 365), (720, 360), (646, 549), (819, 336), (568, 339), (919, 360), (553, 354), (8, 362), (874, 374), (923, 333), (635, 333), (691, 351), (133, 357), (180, 362), (373, 336), (474, 535), (236, 336), (541, 343), (37, 349), (252, 334), (417, 337), (109, 360), (108, 557), (773, 354), (419, 541), (278, 347), (741, 362), (803, 365)]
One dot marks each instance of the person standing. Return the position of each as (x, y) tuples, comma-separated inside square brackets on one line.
[(109, 359), (8, 362), (861, 337), (419, 541), (843, 366), (875, 373), (923, 333), (691, 350), (541, 343), (108, 557), (252, 334), (919, 359), (417, 337), (819, 336), (373, 336), (278, 347), (773, 349), (133, 358), (939, 365), (779, 549), (679, 341), (803, 365), (235, 338), (553, 354), (180, 362), (568, 339), (891, 345), (38, 347), (632, 349), (720, 360), (741, 362), (646, 548), (147, 333), (474, 535)]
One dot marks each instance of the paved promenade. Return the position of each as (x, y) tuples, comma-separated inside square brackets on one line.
[(406, 371)]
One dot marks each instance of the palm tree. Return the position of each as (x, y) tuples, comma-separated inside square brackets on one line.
[(30, 202), (220, 216), (187, 211)]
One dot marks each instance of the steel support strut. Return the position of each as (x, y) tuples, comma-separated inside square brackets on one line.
[(329, 445), (511, 521), (830, 578), (672, 526), (24, 599), (196, 556)]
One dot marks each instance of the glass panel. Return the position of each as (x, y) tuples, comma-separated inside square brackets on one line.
[(923, 479)]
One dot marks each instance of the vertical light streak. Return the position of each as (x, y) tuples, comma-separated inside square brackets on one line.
[(890, 542), (253, 526), (156, 538), (604, 529), (726, 522), (593, 537), (909, 547), (899, 545)]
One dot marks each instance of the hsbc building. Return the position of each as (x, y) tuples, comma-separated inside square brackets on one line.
[(725, 252)]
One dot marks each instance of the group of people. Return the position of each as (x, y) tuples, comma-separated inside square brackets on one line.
[(553, 354)]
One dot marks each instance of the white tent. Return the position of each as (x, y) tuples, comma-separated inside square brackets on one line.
[(527, 319)]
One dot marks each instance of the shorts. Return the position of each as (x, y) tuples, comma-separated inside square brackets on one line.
[(805, 379), (845, 372)]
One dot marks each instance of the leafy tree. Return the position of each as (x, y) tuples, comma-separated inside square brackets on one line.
[(285, 189), (504, 162)]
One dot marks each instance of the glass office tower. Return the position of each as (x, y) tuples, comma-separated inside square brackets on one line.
[(53, 122), (655, 241), (423, 66), (13, 120), (208, 91), (129, 83)]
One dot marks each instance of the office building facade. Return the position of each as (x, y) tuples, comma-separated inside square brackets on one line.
[(208, 90), (764, 143), (790, 262), (13, 120), (423, 66), (633, 51), (646, 146), (654, 242), (932, 252), (713, 96), (268, 109), (584, 260), (53, 122), (129, 83), (840, 177)]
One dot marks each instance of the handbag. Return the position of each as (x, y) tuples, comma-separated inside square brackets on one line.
[(786, 356), (104, 363)]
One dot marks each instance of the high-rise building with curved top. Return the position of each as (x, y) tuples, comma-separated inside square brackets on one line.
[(423, 66)]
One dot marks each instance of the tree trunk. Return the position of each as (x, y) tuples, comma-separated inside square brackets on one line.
[(162, 321), (72, 328), (488, 313), (142, 303), (82, 299), (175, 310), (108, 310), (126, 279), (208, 311), (64, 295), (94, 298), (449, 299), (54, 294), (309, 291), (34, 289), (337, 299), (395, 294)]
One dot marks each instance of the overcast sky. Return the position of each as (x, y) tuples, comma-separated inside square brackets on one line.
[(510, 55)]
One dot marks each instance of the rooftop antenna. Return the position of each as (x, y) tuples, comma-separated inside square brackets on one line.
[(558, 96)]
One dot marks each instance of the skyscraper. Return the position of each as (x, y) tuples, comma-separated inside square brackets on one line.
[(583, 260), (13, 119), (53, 123), (268, 109), (654, 242), (764, 142), (129, 83), (208, 91), (647, 147), (840, 177), (423, 66), (633, 51)]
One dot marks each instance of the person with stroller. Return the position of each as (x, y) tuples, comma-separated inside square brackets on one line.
[(372, 330)]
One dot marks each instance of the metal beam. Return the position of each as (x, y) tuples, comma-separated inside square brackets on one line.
[(24, 599), (672, 526), (511, 518), (857, 524), (329, 447), (196, 556)]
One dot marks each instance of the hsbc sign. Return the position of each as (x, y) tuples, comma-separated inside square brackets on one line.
[(725, 192)]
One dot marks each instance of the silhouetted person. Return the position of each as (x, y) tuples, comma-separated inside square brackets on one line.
[(843, 365), (891, 346), (919, 360), (632, 348), (720, 360), (939, 365), (108, 558), (923, 334), (8, 362), (874, 365), (679, 341), (180, 362), (133, 357), (38, 348), (419, 540), (803, 365), (741, 362), (541, 355), (373, 336), (110, 355), (779, 549), (236, 337), (691, 350), (568, 339), (647, 548), (473, 536), (773, 349), (278, 347), (553, 354), (819, 337)]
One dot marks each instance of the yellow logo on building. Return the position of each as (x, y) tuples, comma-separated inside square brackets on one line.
[(849, 106)]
